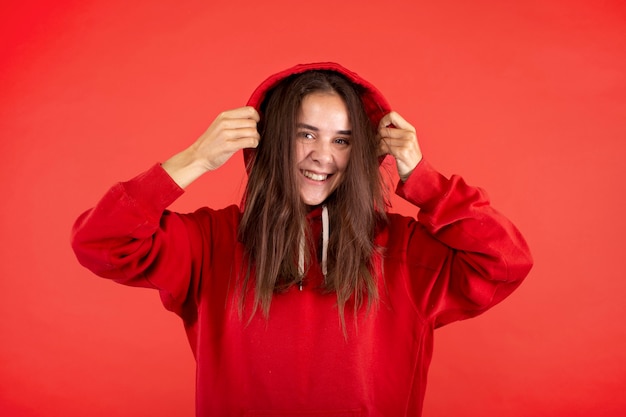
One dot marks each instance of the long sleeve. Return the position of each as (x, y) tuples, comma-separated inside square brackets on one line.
[(131, 238), (462, 256)]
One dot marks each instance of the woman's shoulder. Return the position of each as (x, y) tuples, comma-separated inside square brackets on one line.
[(208, 223), (399, 230), (229, 214)]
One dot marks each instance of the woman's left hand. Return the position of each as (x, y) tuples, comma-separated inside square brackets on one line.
[(398, 138)]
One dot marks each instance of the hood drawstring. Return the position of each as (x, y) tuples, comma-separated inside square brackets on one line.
[(301, 260), (325, 234)]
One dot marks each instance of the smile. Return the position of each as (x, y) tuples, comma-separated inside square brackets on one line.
[(314, 176)]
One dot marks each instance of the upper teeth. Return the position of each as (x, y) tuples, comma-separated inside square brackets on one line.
[(314, 176)]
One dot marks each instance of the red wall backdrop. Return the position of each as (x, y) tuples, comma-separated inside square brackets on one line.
[(526, 99)]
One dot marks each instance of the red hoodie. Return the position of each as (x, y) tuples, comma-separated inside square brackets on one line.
[(459, 258)]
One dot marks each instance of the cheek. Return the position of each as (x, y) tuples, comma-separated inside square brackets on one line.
[(342, 160), (300, 152)]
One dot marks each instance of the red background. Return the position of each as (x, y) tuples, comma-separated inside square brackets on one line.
[(526, 99)]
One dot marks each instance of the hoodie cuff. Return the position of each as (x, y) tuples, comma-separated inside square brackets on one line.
[(424, 187), (153, 190)]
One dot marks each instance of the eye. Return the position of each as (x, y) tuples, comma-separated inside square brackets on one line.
[(342, 141), (306, 135)]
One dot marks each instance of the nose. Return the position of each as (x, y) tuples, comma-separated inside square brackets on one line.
[(321, 152)]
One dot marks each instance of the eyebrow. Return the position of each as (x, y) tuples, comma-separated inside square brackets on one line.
[(315, 129)]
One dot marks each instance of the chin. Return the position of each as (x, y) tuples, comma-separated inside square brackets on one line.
[(313, 201)]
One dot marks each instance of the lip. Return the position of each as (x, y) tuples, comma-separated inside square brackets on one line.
[(311, 176)]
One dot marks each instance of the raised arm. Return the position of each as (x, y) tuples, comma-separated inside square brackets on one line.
[(461, 256), (231, 131), (130, 237)]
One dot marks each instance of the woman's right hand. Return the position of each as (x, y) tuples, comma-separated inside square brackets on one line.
[(231, 131)]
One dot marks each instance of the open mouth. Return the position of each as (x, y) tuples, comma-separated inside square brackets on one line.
[(315, 177)]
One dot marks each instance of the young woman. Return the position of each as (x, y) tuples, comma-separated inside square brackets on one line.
[(308, 298)]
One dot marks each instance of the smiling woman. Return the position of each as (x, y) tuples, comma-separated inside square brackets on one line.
[(323, 146), (526, 99), (355, 292), (291, 99)]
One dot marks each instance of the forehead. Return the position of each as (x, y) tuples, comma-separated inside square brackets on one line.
[(325, 109)]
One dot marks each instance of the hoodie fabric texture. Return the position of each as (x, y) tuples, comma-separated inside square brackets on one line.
[(458, 258)]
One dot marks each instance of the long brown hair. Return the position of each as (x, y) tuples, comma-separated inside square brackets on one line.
[(274, 216)]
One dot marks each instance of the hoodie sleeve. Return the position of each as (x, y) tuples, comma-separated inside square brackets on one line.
[(463, 256), (131, 238)]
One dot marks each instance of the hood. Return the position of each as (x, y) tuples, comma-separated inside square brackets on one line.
[(376, 106)]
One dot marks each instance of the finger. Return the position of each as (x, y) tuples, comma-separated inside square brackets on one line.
[(395, 133), (244, 132), (247, 112), (399, 142), (393, 119), (239, 123), (251, 113), (242, 142), (385, 121), (383, 147), (249, 142)]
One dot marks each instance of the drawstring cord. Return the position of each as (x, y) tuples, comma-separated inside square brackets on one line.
[(325, 234), (301, 260), (325, 229)]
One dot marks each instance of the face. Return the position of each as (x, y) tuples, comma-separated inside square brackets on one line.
[(323, 135)]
